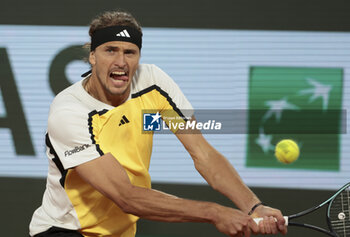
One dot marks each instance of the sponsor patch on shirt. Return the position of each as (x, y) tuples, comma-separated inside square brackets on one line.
[(76, 150)]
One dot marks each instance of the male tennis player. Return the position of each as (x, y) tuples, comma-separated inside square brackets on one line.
[(98, 182)]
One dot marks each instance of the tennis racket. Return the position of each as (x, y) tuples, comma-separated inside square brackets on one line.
[(338, 214)]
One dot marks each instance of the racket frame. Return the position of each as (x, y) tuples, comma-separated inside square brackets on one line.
[(328, 202)]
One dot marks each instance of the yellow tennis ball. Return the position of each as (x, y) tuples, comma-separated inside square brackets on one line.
[(287, 151)]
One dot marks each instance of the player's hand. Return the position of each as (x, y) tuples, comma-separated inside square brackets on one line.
[(234, 223), (269, 225)]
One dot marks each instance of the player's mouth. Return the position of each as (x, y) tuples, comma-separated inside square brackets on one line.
[(119, 77)]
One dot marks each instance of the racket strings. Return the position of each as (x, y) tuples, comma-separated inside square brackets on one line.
[(340, 213)]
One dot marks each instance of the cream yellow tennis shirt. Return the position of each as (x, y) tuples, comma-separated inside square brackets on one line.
[(80, 129)]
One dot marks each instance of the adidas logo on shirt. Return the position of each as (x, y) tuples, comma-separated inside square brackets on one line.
[(124, 120), (124, 33)]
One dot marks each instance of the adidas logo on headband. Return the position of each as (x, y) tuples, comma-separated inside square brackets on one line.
[(123, 33), (126, 33)]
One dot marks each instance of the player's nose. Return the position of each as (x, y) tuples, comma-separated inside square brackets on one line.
[(119, 60)]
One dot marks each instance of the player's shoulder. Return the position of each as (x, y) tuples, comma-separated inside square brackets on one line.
[(150, 75), (67, 98), (70, 105), (147, 67), (147, 70)]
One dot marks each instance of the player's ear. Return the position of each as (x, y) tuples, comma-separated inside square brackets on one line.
[(92, 59)]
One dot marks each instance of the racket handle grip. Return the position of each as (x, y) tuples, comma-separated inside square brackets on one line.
[(257, 220)]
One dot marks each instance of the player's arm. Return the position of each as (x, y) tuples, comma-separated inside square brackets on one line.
[(108, 176), (222, 176)]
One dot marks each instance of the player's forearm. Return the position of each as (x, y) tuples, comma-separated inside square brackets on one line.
[(155, 205), (222, 176), (111, 179)]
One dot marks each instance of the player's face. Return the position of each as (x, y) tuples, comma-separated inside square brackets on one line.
[(115, 64)]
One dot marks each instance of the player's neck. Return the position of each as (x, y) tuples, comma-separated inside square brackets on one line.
[(96, 90)]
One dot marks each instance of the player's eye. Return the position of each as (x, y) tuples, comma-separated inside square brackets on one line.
[(130, 52), (110, 50)]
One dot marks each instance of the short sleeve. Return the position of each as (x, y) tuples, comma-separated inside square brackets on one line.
[(70, 134), (176, 100)]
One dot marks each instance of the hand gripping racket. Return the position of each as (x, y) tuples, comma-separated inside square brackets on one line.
[(338, 214)]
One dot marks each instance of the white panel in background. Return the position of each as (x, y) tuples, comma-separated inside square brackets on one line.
[(211, 67)]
